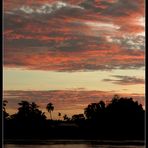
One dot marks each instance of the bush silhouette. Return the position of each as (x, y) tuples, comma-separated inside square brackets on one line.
[(122, 118)]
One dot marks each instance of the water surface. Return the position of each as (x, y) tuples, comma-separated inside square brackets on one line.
[(72, 144)]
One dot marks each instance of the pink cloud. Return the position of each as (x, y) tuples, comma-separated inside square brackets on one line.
[(59, 38)]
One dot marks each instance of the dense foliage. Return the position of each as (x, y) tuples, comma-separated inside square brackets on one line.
[(122, 118)]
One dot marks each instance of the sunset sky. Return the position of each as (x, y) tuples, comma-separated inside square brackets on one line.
[(73, 52)]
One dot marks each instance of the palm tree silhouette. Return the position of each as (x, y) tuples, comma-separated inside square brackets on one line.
[(4, 105), (50, 108), (5, 114), (59, 114)]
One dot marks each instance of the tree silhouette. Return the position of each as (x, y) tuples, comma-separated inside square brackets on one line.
[(29, 112), (126, 107), (5, 114), (4, 104), (66, 118), (122, 118), (92, 110), (78, 117), (50, 108), (33, 107), (125, 116), (23, 110), (59, 114)]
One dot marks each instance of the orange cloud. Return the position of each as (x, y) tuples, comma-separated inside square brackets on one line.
[(102, 57)]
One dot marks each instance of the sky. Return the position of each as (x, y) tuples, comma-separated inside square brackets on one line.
[(73, 52)]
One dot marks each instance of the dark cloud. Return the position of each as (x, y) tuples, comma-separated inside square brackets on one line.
[(73, 35), (103, 59), (121, 8), (114, 8), (129, 42), (125, 80)]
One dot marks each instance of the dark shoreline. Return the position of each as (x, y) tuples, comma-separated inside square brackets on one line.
[(73, 141)]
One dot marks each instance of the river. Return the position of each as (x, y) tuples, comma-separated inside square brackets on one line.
[(73, 144)]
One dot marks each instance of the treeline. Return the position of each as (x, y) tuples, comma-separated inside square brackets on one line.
[(122, 118)]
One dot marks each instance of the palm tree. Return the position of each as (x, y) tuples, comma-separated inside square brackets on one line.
[(34, 107), (24, 109), (5, 114), (50, 108), (4, 105), (29, 112), (59, 114)]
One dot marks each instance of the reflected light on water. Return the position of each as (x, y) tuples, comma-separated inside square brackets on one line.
[(69, 146)]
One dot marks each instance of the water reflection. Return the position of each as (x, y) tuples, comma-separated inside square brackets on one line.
[(69, 146)]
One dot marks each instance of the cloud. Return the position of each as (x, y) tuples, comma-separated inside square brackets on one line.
[(104, 58), (121, 8), (45, 8), (124, 13), (73, 35), (114, 8), (129, 42), (125, 80), (8, 5)]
